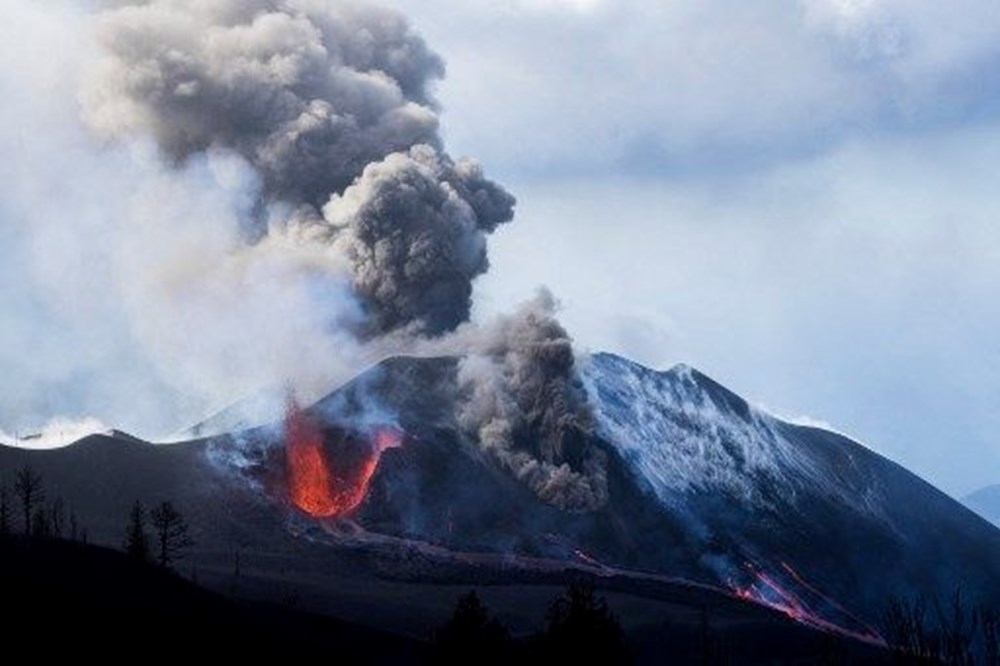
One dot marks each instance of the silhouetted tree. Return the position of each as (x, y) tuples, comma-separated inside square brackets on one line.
[(906, 627), (4, 510), (922, 631), (74, 528), (471, 636), (582, 628), (40, 524), (989, 623), (30, 492), (957, 628), (57, 517), (136, 536), (171, 533)]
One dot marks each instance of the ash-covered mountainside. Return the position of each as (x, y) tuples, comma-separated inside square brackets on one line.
[(700, 485), (804, 505)]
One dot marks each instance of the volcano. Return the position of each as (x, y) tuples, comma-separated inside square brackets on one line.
[(702, 486), (374, 493)]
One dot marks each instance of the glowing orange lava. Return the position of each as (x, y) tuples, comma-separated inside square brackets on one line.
[(309, 479), (315, 486)]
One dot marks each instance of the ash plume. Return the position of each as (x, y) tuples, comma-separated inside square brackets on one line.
[(261, 197), (414, 228), (329, 103)]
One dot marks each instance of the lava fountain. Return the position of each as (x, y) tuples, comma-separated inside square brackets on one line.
[(316, 485), (309, 479)]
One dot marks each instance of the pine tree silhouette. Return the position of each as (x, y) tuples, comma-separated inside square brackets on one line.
[(170, 531), (136, 536), (30, 491)]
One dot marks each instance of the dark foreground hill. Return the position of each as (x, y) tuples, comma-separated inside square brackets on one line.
[(73, 600)]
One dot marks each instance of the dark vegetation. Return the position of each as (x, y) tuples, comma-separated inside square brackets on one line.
[(579, 628), (927, 631), (103, 603)]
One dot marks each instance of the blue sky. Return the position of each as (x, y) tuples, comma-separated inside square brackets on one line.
[(800, 198)]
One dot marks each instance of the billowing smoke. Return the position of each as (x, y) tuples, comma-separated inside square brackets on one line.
[(413, 227), (522, 399), (329, 103), (308, 92), (271, 202)]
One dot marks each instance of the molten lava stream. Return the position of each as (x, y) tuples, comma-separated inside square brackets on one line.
[(309, 480), (313, 485)]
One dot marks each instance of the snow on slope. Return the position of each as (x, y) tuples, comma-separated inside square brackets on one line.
[(681, 432)]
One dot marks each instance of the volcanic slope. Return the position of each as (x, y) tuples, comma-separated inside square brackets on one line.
[(702, 488)]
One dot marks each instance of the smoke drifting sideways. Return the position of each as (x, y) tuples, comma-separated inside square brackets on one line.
[(258, 195)]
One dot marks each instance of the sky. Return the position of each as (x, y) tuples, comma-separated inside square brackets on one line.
[(800, 198), (797, 197)]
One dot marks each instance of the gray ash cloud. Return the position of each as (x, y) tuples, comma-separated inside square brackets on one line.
[(521, 397), (327, 111), (330, 104)]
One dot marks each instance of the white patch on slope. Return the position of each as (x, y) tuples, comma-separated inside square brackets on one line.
[(681, 437), (55, 434)]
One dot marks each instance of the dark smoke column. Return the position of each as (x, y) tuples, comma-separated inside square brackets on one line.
[(329, 103)]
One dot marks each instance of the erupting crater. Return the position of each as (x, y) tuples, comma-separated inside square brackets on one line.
[(325, 486)]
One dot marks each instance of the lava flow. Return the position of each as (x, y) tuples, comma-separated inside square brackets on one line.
[(322, 489), (765, 589)]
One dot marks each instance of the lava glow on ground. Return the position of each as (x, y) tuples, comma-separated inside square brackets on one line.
[(765, 589), (322, 489)]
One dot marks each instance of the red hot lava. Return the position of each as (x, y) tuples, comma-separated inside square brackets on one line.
[(765, 589), (315, 486)]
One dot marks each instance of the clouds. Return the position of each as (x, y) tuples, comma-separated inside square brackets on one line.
[(672, 87), (857, 287), (798, 197)]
